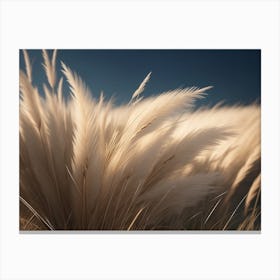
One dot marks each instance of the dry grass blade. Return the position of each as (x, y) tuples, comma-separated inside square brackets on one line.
[(35, 213), (49, 66), (141, 88), (233, 213), (28, 67)]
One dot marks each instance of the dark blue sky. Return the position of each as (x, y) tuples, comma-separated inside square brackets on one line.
[(234, 74)]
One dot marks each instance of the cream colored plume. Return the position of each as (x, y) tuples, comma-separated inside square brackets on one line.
[(154, 163)]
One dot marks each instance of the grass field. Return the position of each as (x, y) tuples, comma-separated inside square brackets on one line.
[(156, 163)]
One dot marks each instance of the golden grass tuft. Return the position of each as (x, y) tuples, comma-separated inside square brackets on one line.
[(152, 164)]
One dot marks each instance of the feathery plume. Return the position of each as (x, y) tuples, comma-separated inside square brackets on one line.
[(141, 88), (154, 163)]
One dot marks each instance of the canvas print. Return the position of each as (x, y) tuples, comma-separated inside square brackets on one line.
[(140, 140)]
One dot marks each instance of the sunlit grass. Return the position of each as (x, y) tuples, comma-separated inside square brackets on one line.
[(152, 164)]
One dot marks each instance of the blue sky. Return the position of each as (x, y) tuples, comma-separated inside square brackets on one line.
[(234, 74)]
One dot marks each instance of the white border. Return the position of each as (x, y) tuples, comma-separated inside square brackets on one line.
[(153, 24)]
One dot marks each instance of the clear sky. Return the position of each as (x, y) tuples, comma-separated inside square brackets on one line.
[(234, 74)]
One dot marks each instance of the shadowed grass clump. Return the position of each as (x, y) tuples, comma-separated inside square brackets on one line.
[(152, 164)]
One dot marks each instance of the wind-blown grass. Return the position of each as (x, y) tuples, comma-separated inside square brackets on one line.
[(152, 164)]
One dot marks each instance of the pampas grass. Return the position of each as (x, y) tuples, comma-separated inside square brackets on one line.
[(153, 164)]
